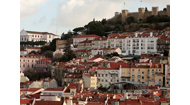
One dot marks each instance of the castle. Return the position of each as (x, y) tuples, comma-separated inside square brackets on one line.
[(142, 14)]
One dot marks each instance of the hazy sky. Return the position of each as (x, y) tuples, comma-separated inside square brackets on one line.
[(46, 15)]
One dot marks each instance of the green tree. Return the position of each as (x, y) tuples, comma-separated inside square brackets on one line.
[(130, 19), (78, 29), (95, 27), (103, 21), (48, 54), (68, 55), (164, 9)]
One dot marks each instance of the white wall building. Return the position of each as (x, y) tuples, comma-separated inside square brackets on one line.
[(37, 36), (106, 76)]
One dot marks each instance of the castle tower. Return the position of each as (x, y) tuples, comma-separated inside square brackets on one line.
[(154, 10), (117, 14), (168, 10), (141, 13), (124, 15)]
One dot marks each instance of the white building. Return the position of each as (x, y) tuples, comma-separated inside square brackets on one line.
[(53, 91), (23, 52), (106, 76), (140, 43), (36, 36)]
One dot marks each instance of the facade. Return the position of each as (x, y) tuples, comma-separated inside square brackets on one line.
[(163, 43), (150, 74), (85, 45), (140, 43), (106, 76), (53, 91), (23, 52), (28, 61), (81, 38), (44, 83), (89, 81), (42, 65), (100, 43), (36, 36)]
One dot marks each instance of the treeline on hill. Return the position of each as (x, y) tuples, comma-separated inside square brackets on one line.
[(105, 27)]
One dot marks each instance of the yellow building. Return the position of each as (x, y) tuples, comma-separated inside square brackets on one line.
[(90, 81), (146, 73)]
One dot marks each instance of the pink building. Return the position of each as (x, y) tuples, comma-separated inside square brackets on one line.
[(28, 61)]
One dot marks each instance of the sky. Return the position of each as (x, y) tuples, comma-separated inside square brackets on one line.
[(58, 16)]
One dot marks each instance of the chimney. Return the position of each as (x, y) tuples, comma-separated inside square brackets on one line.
[(136, 34), (151, 34)]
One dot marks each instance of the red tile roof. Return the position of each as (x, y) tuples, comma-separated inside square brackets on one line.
[(30, 89), (71, 85), (87, 74), (54, 89), (107, 68), (86, 36), (48, 103), (26, 101)]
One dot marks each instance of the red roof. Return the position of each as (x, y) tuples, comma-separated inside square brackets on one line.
[(116, 65), (26, 101), (30, 89), (87, 74), (54, 89), (108, 68), (71, 85), (86, 36), (48, 103), (32, 48)]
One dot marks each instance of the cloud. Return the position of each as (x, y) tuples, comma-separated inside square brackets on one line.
[(29, 8), (77, 13)]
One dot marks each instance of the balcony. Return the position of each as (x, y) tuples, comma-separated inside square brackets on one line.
[(138, 76)]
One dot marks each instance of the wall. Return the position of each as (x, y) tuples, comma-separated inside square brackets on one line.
[(135, 15)]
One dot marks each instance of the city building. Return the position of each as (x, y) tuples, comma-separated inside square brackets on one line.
[(53, 91), (42, 65), (81, 38), (27, 62), (85, 45), (106, 76), (36, 36), (89, 81), (23, 52), (163, 44)]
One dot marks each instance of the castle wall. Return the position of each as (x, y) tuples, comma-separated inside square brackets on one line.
[(134, 14), (147, 14), (168, 10), (162, 13)]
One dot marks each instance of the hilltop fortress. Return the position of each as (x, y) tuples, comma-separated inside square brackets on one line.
[(141, 14)]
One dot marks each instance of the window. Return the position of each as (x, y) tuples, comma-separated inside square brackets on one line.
[(133, 80), (28, 60), (142, 72), (159, 79), (102, 75), (98, 75), (133, 70), (106, 75), (139, 70), (106, 80), (23, 65), (102, 80), (28, 66), (148, 70), (128, 69), (117, 80), (32, 60), (49, 36), (123, 69), (23, 60), (152, 70), (123, 74), (142, 77), (152, 74)]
